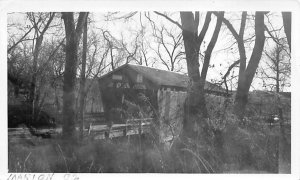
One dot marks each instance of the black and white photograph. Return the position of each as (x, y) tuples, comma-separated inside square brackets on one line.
[(149, 91)]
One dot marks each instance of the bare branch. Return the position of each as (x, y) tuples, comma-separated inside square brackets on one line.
[(20, 40), (234, 64), (229, 26), (243, 24), (197, 20), (211, 46), (271, 35), (204, 28), (168, 18), (111, 16), (48, 23)]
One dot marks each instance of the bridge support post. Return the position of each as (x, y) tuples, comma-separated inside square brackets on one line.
[(106, 134), (125, 131), (140, 127)]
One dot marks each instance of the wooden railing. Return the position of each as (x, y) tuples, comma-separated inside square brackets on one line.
[(131, 127)]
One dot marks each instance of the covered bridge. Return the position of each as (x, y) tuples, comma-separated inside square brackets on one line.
[(142, 77), (135, 91)]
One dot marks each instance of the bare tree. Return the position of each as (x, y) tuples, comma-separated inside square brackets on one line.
[(275, 74), (195, 107), (40, 23), (90, 68), (143, 52), (171, 49), (96, 64), (143, 57), (120, 51), (124, 50), (277, 67), (37, 21), (169, 45), (246, 73), (130, 53), (72, 41), (111, 47), (93, 66), (115, 58)]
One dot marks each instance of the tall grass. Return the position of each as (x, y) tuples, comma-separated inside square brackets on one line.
[(230, 148)]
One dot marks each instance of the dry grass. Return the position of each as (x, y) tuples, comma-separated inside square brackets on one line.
[(252, 148), (242, 149)]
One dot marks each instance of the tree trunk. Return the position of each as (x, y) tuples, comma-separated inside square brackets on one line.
[(69, 76), (191, 45), (195, 102), (246, 77), (33, 98), (82, 80), (283, 145), (277, 60), (287, 23), (195, 111), (241, 100), (69, 98)]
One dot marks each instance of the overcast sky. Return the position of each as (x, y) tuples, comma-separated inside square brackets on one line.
[(221, 59)]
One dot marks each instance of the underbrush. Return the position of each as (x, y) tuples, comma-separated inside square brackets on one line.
[(237, 149), (230, 147), (118, 155)]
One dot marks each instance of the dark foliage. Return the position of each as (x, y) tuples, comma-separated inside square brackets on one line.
[(22, 114)]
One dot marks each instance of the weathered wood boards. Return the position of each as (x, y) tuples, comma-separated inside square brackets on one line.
[(96, 132)]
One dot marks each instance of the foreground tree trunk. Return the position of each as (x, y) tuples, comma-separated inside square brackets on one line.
[(82, 80), (195, 103), (195, 111), (72, 41)]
